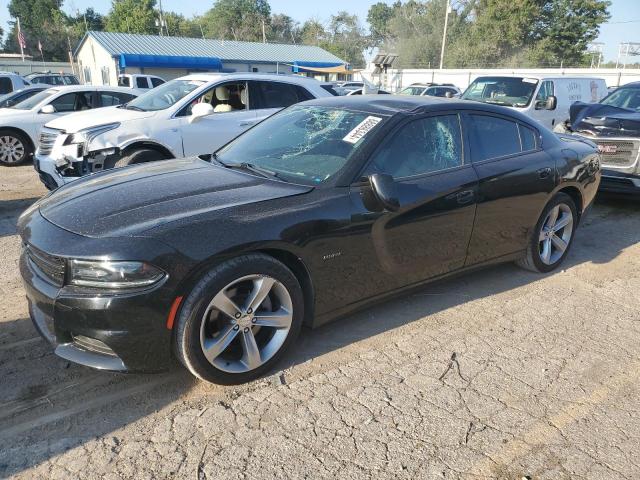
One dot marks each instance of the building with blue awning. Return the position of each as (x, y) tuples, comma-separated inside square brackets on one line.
[(102, 56)]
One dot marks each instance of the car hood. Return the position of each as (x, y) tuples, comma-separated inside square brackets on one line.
[(604, 120), (132, 200), (91, 118)]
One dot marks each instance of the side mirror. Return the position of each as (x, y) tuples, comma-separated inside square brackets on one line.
[(199, 111), (552, 102), (48, 109), (385, 191), (448, 95)]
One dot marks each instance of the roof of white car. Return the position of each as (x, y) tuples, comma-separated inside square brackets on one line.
[(82, 88), (214, 77)]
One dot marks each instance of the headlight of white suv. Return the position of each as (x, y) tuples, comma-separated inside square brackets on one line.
[(84, 137), (112, 274)]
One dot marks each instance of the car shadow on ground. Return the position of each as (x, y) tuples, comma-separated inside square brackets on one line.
[(10, 210), (48, 406)]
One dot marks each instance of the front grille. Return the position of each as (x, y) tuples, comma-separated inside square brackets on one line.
[(618, 153), (47, 139), (51, 267)]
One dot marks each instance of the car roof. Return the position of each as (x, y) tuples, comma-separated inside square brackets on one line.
[(79, 88), (393, 104), (630, 85), (213, 76)]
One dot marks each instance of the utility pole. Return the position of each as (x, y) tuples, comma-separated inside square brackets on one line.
[(162, 24), (264, 33), (444, 34)]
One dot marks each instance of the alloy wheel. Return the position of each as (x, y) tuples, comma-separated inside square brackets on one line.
[(555, 234), (11, 149), (246, 323)]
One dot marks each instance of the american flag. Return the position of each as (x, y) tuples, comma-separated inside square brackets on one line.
[(21, 39)]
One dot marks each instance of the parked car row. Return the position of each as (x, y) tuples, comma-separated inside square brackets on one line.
[(220, 262)]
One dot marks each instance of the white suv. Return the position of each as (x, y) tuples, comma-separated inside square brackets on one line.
[(189, 116), (10, 82), (20, 124), (141, 82)]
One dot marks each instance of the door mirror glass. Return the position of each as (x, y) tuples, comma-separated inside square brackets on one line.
[(449, 94), (385, 191), (551, 103), (200, 111), (48, 109)]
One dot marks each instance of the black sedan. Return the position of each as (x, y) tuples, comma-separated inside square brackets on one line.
[(311, 214)]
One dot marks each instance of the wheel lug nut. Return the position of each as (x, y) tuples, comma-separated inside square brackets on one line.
[(253, 321), (246, 330), (236, 327), (249, 310), (238, 315)]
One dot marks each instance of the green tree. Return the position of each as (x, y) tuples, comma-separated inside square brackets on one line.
[(379, 18), (237, 20), (284, 29), (312, 32), (179, 26), (564, 29), (41, 21), (132, 16), (346, 39)]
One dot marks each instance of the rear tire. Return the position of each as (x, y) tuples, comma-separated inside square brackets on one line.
[(239, 320), (140, 155), (552, 236), (15, 148)]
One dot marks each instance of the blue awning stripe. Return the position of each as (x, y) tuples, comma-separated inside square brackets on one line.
[(167, 61)]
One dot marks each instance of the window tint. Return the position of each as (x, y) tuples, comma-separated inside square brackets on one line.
[(493, 137), (141, 82), (73, 102), (527, 138), (5, 85), (110, 99), (329, 88), (156, 81), (280, 95), (422, 146)]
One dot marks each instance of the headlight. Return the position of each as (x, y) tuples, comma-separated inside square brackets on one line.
[(84, 137), (114, 275)]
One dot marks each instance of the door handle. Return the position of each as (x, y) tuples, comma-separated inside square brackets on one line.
[(544, 172), (465, 196)]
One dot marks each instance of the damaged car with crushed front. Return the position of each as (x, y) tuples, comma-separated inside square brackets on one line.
[(312, 214), (614, 125)]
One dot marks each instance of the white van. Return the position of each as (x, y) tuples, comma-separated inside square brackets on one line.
[(545, 99)]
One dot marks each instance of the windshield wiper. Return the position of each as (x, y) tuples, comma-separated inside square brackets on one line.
[(252, 168)]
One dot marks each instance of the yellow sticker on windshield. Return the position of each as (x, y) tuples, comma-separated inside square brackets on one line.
[(362, 129)]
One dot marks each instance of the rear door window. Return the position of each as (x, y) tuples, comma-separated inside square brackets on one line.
[(279, 94), (527, 138), (6, 86), (111, 99), (141, 82), (493, 137), (156, 81)]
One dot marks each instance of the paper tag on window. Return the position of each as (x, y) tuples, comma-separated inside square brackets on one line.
[(530, 80), (362, 129)]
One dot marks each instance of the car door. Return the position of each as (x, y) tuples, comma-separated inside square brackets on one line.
[(211, 132), (516, 177), (541, 114), (64, 104), (436, 186)]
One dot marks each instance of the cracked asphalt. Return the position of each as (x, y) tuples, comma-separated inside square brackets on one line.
[(499, 374)]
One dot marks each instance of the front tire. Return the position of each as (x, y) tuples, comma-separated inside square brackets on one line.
[(15, 148), (239, 320), (552, 236)]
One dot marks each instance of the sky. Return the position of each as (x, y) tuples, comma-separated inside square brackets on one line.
[(624, 24)]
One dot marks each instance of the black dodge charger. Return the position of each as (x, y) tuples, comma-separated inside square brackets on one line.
[(311, 214)]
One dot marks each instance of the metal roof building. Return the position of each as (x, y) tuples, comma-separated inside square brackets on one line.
[(101, 56)]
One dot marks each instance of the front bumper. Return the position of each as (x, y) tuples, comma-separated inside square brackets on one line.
[(619, 182), (48, 173), (108, 331)]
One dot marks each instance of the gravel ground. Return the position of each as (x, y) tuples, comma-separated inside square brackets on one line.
[(498, 374)]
